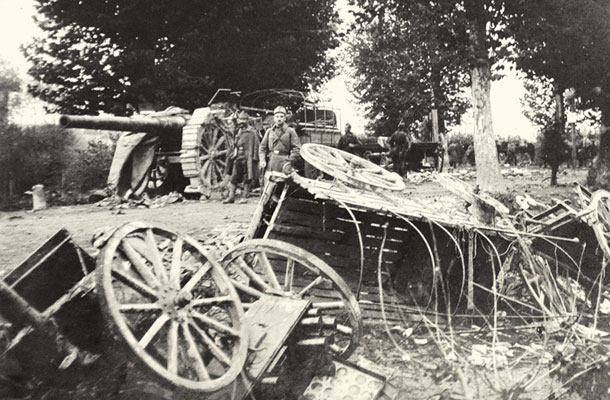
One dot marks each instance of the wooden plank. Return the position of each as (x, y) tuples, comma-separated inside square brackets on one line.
[(306, 232), (256, 220), (270, 321)]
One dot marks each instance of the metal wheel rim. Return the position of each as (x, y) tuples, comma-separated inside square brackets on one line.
[(233, 363), (307, 262), (350, 168)]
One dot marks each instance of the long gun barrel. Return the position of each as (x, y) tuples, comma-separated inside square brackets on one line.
[(152, 124)]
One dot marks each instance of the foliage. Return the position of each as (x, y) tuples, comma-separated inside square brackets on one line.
[(48, 155), (103, 55), (29, 156), (404, 67), (88, 169), (566, 41), (466, 35), (9, 78), (538, 102)]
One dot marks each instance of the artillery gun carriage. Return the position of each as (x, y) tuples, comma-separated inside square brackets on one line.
[(191, 150)]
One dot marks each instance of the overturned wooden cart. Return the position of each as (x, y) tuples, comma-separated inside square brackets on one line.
[(268, 315), (404, 256)]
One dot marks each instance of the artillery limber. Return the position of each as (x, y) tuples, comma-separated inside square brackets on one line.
[(157, 300)]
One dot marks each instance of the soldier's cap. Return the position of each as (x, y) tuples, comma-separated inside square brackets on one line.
[(279, 110), (243, 115)]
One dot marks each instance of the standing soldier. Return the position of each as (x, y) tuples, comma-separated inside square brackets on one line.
[(280, 145), (399, 145), (244, 157), (348, 139)]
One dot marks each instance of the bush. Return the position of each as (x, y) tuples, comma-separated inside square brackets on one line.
[(88, 169), (31, 155), (47, 155)]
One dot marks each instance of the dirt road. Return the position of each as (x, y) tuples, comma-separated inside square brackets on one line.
[(22, 232)]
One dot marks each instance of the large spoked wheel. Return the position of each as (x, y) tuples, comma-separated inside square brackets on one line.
[(213, 149), (600, 219), (350, 168), (174, 307), (265, 266)]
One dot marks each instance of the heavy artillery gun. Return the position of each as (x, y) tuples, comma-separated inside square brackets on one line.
[(190, 146), (193, 147)]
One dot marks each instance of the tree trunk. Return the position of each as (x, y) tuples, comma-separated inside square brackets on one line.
[(489, 177)]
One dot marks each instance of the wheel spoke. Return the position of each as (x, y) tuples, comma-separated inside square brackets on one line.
[(197, 277), (139, 307), (153, 253), (289, 275), (153, 330), (220, 140), (174, 272), (246, 289), (214, 349), (240, 263), (172, 348), (194, 354), (135, 284), (344, 329), (313, 284), (219, 326), (139, 264), (211, 300), (268, 268)]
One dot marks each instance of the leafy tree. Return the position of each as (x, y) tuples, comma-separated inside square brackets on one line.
[(476, 31), (9, 82), (101, 55), (397, 76), (569, 43), (538, 101)]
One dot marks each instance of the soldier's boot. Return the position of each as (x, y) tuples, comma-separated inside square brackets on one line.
[(231, 198), (245, 194)]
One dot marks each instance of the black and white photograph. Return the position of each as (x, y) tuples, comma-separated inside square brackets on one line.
[(304, 199)]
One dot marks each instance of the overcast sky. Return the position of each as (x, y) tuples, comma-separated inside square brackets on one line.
[(17, 27)]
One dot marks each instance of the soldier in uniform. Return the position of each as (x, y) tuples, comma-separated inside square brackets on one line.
[(244, 157), (348, 139), (399, 145), (279, 150)]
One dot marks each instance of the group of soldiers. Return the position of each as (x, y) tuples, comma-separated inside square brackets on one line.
[(250, 157)]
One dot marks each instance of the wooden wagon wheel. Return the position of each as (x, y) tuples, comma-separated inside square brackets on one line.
[(269, 266), (175, 308), (213, 148), (600, 219), (350, 168), (206, 140)]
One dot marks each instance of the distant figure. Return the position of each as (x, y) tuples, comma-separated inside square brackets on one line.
[(469, 157), (280, 145), (511, 153), (454, 154), (244, 157), (399, 145), (348, 140), (554, 150)]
